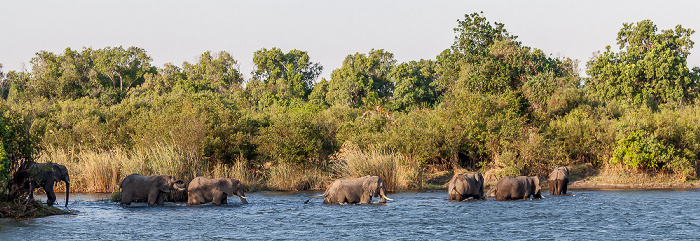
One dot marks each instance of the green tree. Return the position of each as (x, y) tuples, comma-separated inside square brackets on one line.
[(651, 67), (285, 76), (414, 84), (217, 72), (119, 69), (359, 76), (65, 76)]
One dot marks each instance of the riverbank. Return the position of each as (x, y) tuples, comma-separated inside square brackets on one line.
[(28, 209)]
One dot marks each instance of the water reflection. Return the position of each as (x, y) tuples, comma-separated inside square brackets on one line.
[(613, 214)]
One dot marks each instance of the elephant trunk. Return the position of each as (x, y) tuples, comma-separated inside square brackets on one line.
[(67, 191), (244, 200), (382, 193)]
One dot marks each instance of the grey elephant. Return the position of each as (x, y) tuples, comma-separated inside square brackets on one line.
[(31, 175), (558, 181), (358, 190), (149, 188), (464, 186), (202, 190), (514, 188)]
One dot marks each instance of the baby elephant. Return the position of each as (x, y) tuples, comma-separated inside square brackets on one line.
[(202, 190), (558, 180), (149, 188), (463, 186)]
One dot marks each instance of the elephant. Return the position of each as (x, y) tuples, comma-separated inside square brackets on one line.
[(514, 188), (31, 175), (358, 190), (463, 186), (202, 190), (558, 180), (149, 188)]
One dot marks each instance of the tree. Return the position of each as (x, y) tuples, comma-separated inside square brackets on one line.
[(285, 76), (214, 72), (119, 69), (359, 76), (414, 84), (651, 67)]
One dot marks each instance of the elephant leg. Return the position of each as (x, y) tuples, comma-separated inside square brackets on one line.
[(224, 199), (216, 199), (191, 199), (51, 196), (160, 198), (564, 186), (153, 196), (455, 197)]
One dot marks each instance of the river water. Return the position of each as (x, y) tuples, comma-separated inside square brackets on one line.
[(597, 215)]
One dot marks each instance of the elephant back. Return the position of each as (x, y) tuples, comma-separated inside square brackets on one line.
[(560, 173)]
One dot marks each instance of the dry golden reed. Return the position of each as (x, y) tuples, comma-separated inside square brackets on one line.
[(397, 171)]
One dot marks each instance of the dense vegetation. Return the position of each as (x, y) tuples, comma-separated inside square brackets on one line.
[(487, 102)]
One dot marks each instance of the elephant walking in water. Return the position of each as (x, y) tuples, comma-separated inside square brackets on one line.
[(32, 175), (202, 190), (149, 188), (463, 186), (558, 181), (358, 190), (514, 188)]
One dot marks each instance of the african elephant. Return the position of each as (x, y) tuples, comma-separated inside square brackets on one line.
[(558, 180), (202, 190), (463, 186), (31, 175), (358, 190), (514, 188), (149, 188)]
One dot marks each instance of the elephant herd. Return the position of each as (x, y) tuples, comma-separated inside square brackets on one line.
[(202, 190)]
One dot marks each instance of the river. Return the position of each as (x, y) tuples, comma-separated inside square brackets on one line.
[(590, 214)]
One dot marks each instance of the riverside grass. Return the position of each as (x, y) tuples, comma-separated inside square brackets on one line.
[(398, 172), (101, 172)]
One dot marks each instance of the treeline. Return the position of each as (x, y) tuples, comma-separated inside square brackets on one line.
[(487, 102)]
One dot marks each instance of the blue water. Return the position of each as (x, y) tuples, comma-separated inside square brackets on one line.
[(599, 215)]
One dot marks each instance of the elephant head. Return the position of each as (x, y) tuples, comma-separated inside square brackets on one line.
[(538, 192), (232, 187), (60, 173), (166, 183), (373, 186)]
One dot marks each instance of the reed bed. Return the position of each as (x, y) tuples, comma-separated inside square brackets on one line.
[(287, 177), (396, 170)]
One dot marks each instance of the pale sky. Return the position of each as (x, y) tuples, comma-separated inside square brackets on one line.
[(177, 31)]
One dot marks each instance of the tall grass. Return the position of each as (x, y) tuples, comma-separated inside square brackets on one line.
[(239, 171), (396, 170), (92, 171), (287, 177)]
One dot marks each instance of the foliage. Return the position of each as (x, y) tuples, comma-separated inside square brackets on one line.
[(651, 67), (360, 76), (284, 76), (414, 84), (486, 103)]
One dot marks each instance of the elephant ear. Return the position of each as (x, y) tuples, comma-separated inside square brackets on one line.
[(370, 185), (56, 172), (536, 180), (224, 185), (566, 171), (479, 178), (162, 183), (60, 172)]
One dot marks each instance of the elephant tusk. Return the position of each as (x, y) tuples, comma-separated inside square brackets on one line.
[(243, 197), (385, 197)]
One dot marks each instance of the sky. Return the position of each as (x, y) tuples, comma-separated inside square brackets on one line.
[(178, 31)]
